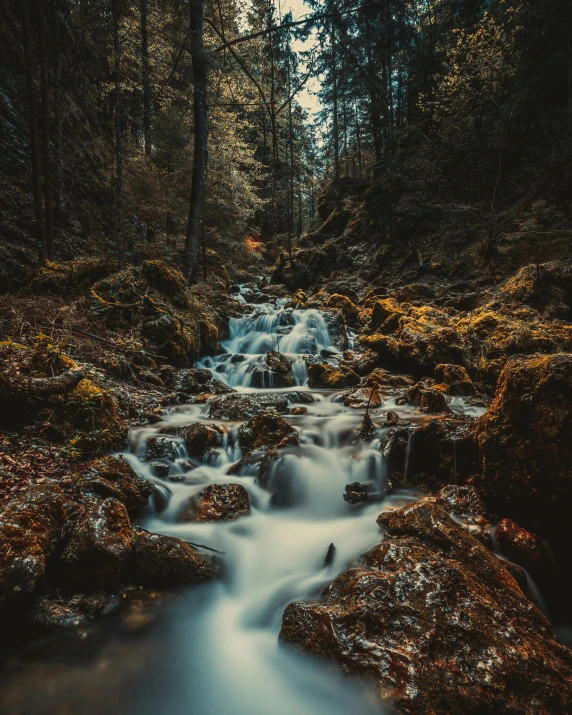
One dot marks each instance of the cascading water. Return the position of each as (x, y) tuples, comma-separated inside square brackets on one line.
[(216, 652)]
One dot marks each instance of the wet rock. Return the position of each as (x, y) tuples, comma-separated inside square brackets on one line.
[(524, 440), (298, 410), (54, 611), (440, 453), (303, 398), (337, 329), (31, 525), (434, 618), (190, 381), (114, 477), (392, 419), (201, 438), (360, 363), (365, 493), (51, 615), (98, 546), (166, 562), (266, 430), (252, 296), (241, 407), (427, 398), (329, 353), (344, 305), (275, 475), (237, 358), (277, 373), (217, 502), (160, 469), (519, 545), (462, 501), (322, 375), (456, 378), (387, 381), (362, 398), (160, 447)]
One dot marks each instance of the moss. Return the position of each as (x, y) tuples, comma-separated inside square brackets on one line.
[(382, 309), (70, 277), (89, 419), (164, 277), (48, 359), (342, 303)]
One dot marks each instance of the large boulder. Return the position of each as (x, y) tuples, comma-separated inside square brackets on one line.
[(277, 372), (217, 502), (98, 547), (330, 377), (266, 430), (526, 448), (114, 477), (438, 623), (417, 341), (165, 562), (437, 453), (31, 526)]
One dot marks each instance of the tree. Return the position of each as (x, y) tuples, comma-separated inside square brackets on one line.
[(195, 225)]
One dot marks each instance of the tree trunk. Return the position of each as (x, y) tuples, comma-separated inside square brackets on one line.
[(291, 177), (33, 119), (58, 117), (118, 146), (48, 199), (200, 158), (145, 77), (335, 127), (570, 59), (274, 181)]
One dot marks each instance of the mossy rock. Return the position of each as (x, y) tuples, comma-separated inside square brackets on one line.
[(89, 419), (70, 277), (168, 336), (165, 278), (48, 359)]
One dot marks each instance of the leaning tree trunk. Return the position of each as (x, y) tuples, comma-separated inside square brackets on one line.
[(200, 158), (33, 119)]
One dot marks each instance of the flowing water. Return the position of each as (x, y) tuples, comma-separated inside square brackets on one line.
[(215, 651)]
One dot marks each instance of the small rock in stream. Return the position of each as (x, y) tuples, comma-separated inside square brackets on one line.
[(217, 502)]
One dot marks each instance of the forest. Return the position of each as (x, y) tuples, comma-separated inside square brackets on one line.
[(285, 357)]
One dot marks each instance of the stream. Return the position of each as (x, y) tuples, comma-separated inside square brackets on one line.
[(214, 650)]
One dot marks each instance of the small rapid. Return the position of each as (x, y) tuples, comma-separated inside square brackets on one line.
[(216, 650), (296, 334)]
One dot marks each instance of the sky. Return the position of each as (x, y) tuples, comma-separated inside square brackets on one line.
[(306, 97)]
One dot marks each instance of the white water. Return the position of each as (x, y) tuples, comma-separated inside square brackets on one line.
[(217, 652)]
